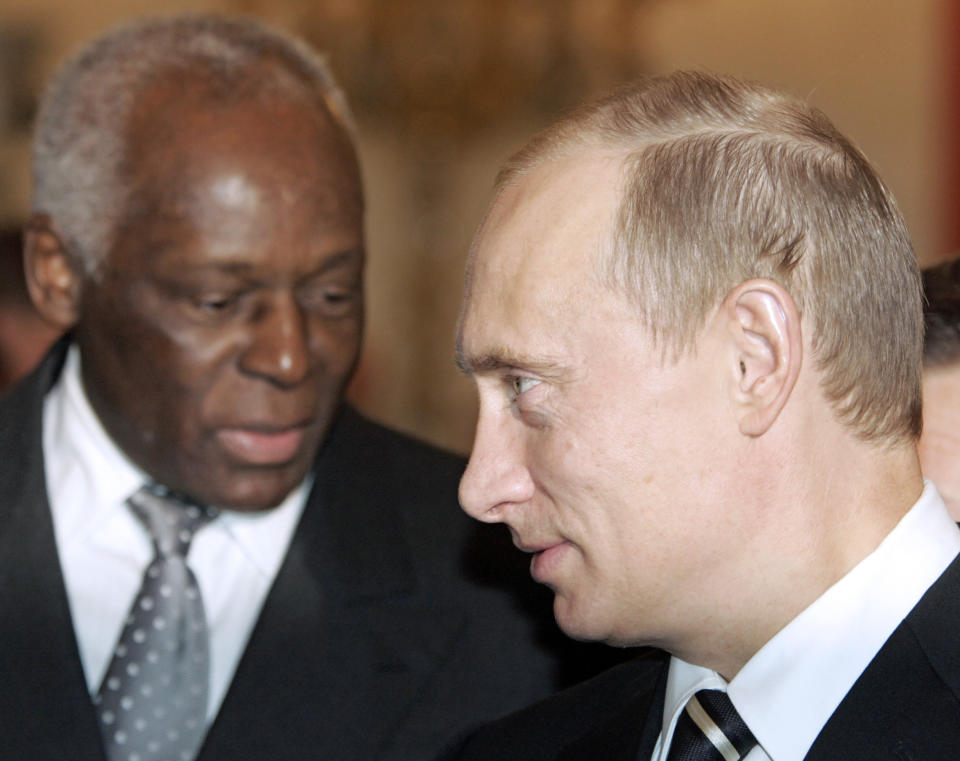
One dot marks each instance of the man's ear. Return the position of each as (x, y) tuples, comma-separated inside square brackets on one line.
[(767, 351), (52, 279)]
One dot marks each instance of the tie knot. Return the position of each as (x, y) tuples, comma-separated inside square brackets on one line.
[(710, 729), (171, 520)]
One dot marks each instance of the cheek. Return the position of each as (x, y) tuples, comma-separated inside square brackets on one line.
[(168, 384), (624, 506), (176, 405), (336, 343), (188, 363), (579, 484), (195, 351)]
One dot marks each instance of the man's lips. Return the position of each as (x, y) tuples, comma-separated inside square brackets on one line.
[(546, 558), (531, 548), (257, 446)]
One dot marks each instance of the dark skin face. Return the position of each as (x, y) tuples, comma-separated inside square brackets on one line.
[(225, 323)]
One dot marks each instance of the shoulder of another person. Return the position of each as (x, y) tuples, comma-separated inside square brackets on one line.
[(541, 731), (21, 415), (373, 474), (388, 451), (23, 397)]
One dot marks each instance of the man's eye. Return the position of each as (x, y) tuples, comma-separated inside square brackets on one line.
[(333, 296), (216, 304), (520, 385), (330, 300)]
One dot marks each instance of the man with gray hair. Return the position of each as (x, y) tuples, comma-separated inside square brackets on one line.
[(205, 553), (693, 317)]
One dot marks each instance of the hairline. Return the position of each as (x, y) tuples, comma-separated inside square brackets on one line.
[(82, 137), (795, 135)]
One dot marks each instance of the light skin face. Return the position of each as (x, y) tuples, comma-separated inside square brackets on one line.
[(218, 337), (593, 451), (939, 446), (697, 502)]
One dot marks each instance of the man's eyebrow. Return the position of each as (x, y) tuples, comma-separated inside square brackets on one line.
[(334, 260), (502, 359)]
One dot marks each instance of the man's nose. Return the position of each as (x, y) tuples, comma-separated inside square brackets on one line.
[(279, 345), (496, 475)]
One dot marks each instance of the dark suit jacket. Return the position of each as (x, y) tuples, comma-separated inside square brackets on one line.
[(904, 707), (377, 641)]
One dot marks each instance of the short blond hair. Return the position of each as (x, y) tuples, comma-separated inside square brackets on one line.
[(727, 180)]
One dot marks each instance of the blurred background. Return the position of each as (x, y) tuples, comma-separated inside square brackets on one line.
[(444, 90)]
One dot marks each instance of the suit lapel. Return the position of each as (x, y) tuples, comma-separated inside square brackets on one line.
[(343, 640), (44, 704), (630, 734)]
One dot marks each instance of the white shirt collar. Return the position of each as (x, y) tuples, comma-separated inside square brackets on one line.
[(264, 535), (789, 689), (82, 458)]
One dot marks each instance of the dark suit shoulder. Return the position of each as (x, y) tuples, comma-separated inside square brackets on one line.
[(935, 622), (20, 405), (619, 697), (396, 480), (354, 431), (47, 711), (905, 706), (22, 487)]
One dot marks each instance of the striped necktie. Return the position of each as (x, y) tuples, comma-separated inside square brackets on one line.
[(710, 729)]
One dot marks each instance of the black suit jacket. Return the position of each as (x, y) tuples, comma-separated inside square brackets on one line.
[(377, 640), (904, 707)]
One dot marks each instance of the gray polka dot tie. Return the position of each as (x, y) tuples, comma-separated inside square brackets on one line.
[(153, 700)]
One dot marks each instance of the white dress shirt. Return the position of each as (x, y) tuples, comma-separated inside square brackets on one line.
[(789, 689), (104, 549)]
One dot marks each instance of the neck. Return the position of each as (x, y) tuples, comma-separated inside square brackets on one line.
[(809, 529)]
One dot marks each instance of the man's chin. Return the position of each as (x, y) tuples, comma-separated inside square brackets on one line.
[(257, 506), (249, 492), (576, 621), (591, 623), (256, 500)]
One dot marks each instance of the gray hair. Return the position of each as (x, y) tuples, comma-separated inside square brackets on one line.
[(80, 140)]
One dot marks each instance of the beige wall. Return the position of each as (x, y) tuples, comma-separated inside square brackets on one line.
[(873, 65)]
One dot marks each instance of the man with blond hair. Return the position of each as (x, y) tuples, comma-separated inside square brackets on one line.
[(693, 318)]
